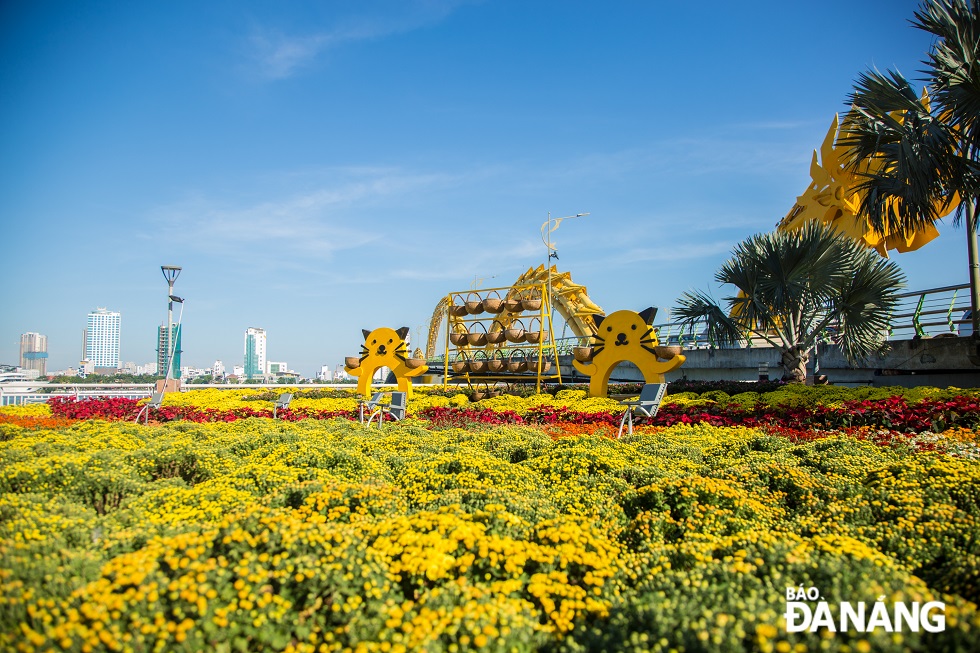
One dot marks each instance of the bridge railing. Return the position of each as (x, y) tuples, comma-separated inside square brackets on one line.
[(924, 313), (928, 313)]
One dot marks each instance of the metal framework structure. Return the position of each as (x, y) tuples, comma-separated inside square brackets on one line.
[(499, 342), (568, 299)]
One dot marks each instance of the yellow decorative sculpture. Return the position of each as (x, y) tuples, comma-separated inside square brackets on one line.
[(384, 347), (834, 198), (571, 301), (620, 337)]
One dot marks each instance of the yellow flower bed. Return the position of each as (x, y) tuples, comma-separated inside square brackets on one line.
[(28, 410), (330, 536), (576, 400)]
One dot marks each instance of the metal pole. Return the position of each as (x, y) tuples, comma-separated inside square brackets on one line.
[(170, 326), (170, 273), (974, 261), (547, 261)]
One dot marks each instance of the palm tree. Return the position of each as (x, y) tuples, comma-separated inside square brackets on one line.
[(792, 286), (926, 149)]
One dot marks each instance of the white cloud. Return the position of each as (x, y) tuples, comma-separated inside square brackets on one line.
[(296, 226), (279, 55)]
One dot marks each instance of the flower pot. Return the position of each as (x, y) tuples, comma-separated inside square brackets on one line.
[(513, 305), (583, 354), (531, 300), (352, 362), (414, 363), (496, 336), (478, 366), (517, 361), (496, 362), (534, 336), (473, 306), (458, 339), (515, 333), (460, 364), (667, 352), (493, 304), (476, 338)]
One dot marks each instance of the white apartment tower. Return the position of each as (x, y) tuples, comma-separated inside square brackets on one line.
[(102, 339), (255, 347)]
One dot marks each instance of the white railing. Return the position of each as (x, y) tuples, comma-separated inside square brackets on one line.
[(31, 392)]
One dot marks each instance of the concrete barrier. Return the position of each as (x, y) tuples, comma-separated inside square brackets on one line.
[(939, 361)]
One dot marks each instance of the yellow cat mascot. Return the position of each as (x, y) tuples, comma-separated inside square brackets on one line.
[(620, 337), (384, 347)]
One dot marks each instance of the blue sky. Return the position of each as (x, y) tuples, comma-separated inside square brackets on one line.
[(321, 167)]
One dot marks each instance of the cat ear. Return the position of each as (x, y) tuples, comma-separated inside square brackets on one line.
[(648, 314), (598, 318), (402, 332), (366, 333)]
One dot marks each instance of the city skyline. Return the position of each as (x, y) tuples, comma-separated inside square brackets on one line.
[(322, 168)]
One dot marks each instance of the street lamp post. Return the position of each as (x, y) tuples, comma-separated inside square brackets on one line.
[(170, 273), (172, 351), (546, 230)]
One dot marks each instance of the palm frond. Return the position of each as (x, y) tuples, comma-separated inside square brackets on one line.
[(695, 307), (905, 154), (954, 62), (792, 285)]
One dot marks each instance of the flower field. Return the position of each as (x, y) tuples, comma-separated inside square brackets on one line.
[(511, 524)]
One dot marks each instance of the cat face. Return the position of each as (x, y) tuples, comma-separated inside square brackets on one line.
[(625, 331), (384, 342)]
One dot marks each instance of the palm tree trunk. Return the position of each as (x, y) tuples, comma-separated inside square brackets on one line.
[(974, 261), (793, 361)]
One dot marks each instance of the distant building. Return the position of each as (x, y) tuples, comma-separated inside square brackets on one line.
[(148, 368), (276, 368), (218, 370), (102, 340), (34, 352), (194, 372), (340, 374), (163, 353), (255, 348), (238, 370)]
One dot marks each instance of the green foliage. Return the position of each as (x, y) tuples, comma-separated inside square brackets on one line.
[(258, 535), (789, 286)]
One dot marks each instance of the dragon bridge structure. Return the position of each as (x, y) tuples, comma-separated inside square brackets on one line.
[(834, 198)]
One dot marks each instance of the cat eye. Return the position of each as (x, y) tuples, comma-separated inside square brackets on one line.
[(633, 327), (608, 328), (374, 342), (389, 341)]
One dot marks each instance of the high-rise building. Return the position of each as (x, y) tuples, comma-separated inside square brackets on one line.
[(162, 353), (255, 343), (34, 352), (102, 339)]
